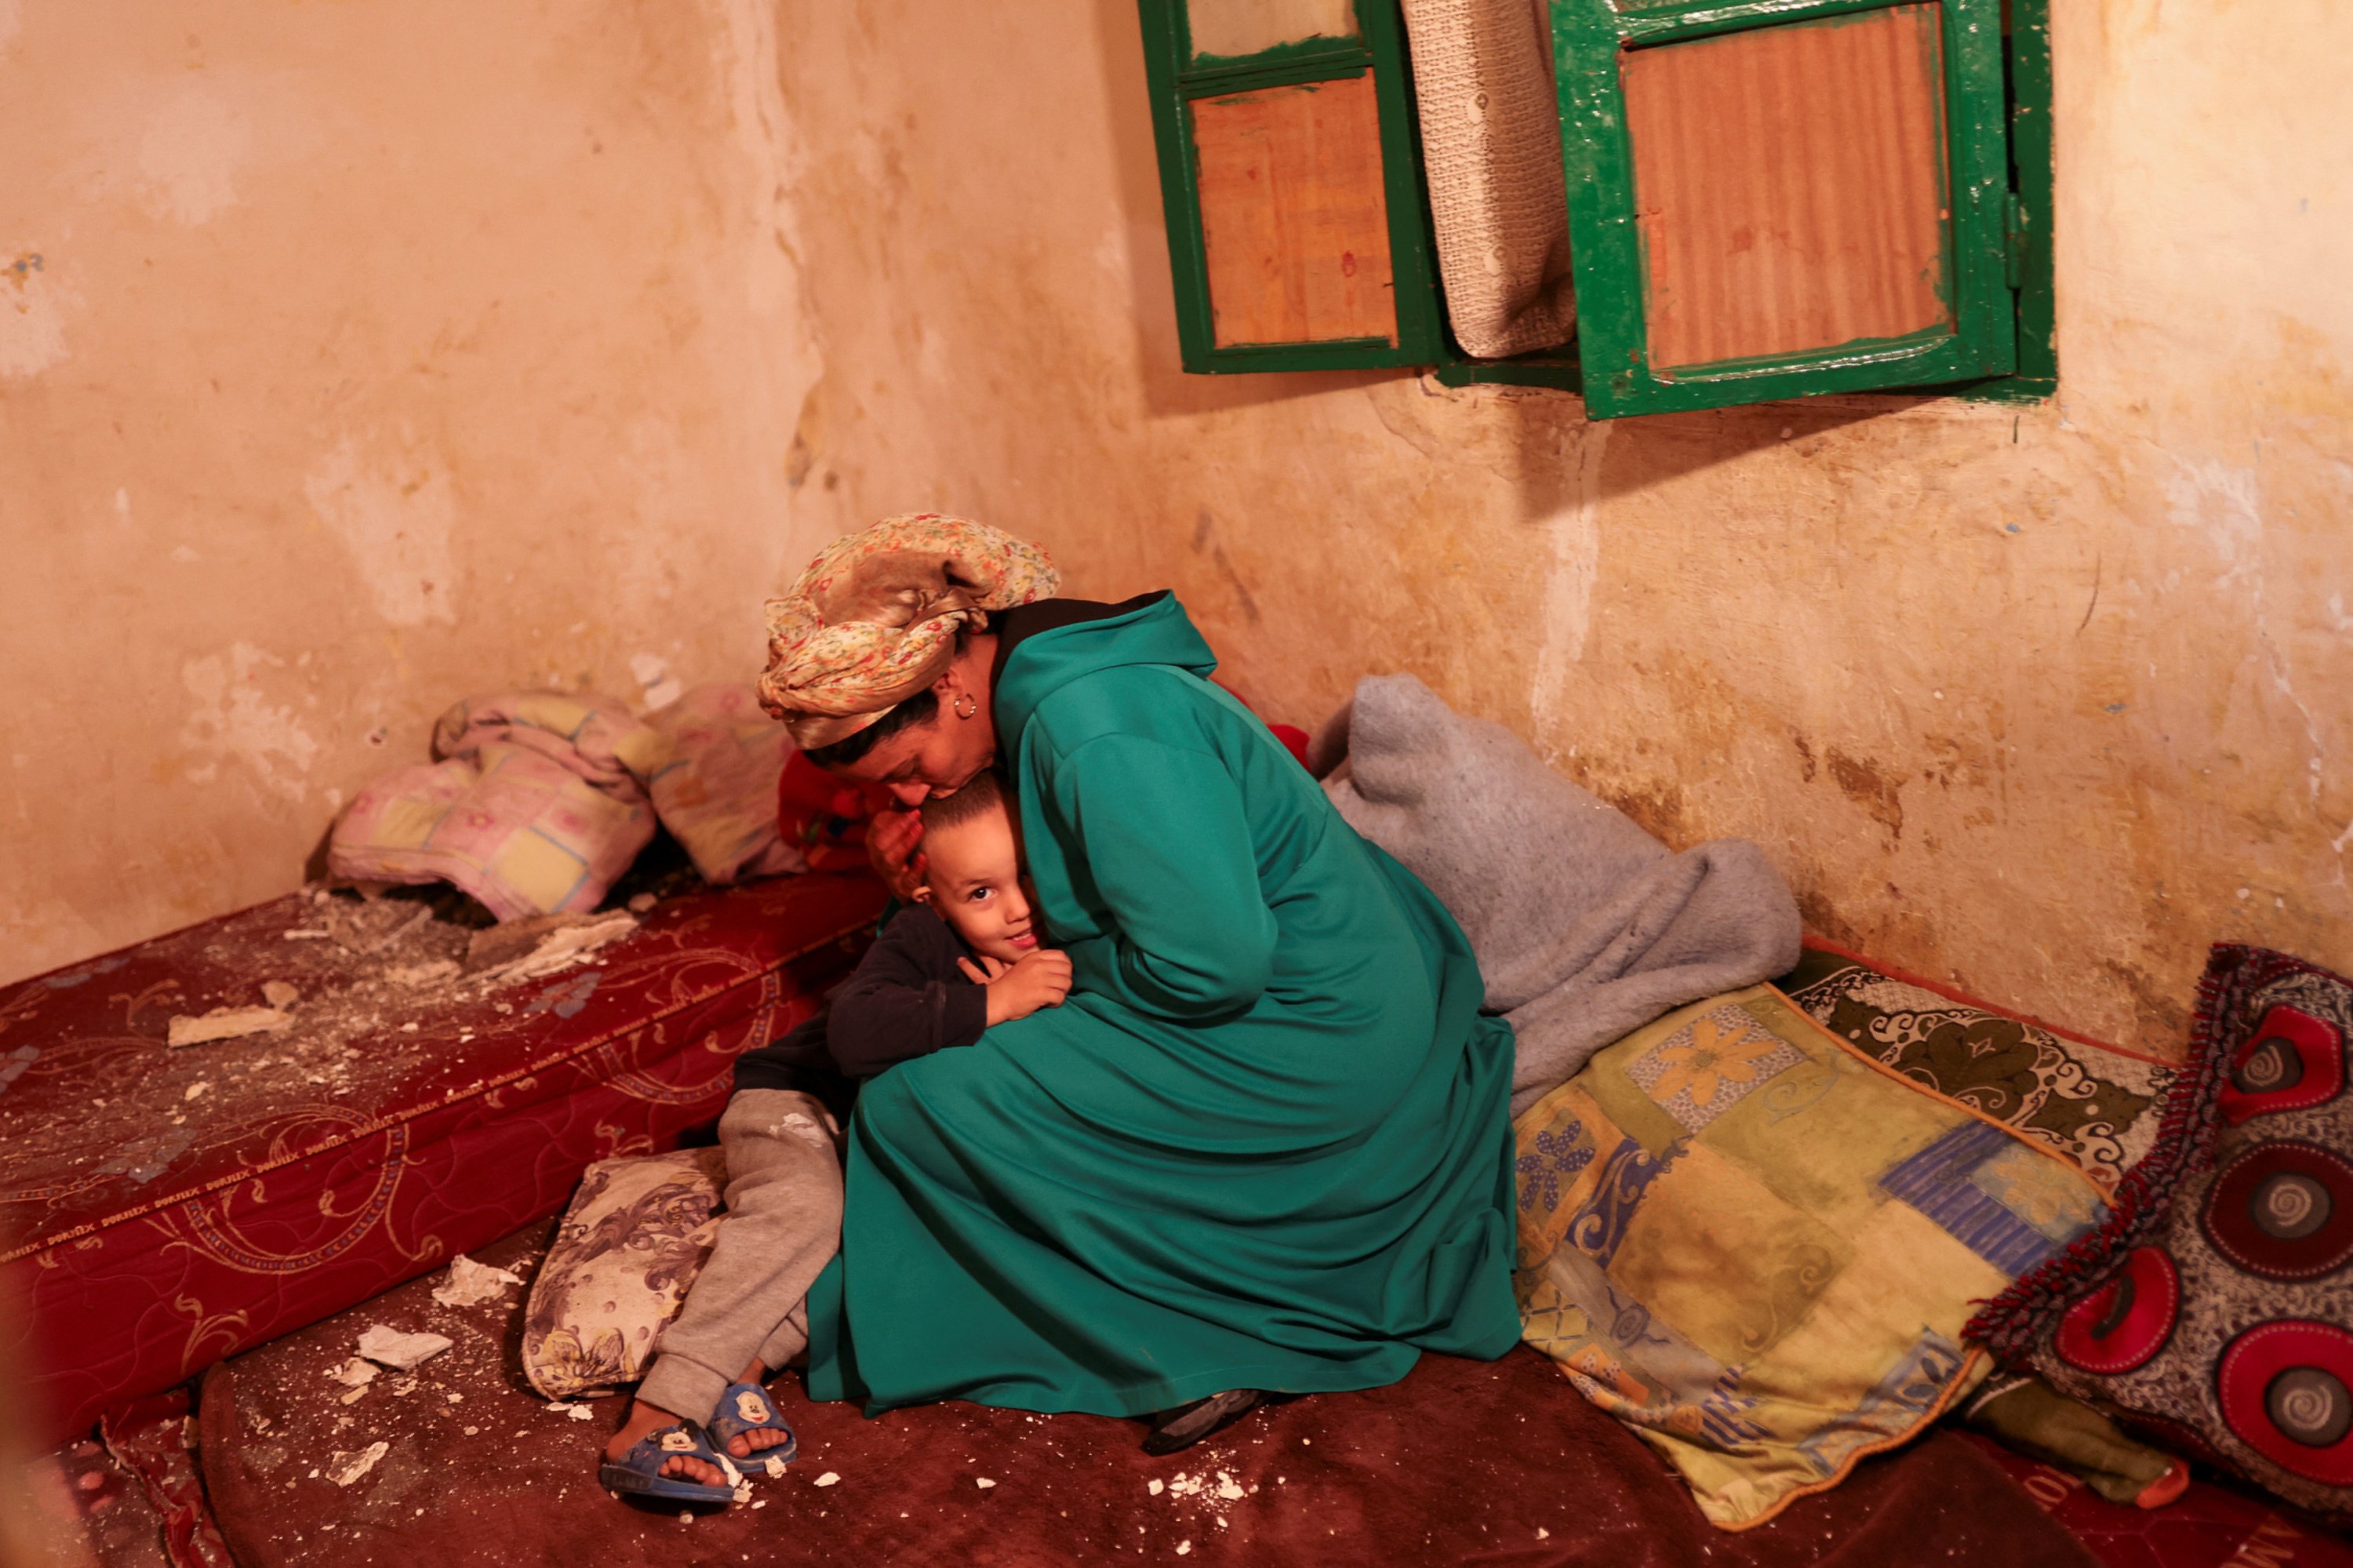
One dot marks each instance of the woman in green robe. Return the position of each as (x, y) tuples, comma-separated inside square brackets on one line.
[(1264, 1144)]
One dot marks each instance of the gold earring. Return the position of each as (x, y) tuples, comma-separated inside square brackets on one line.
[(966, 705)]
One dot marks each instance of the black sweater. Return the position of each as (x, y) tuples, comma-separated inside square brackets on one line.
[(906, 998)]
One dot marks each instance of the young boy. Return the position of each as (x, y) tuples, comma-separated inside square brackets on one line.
[(966, 956)]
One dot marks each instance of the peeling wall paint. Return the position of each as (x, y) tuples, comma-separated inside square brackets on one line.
[(33, 309), (2041, 701), (363, 358), (188, 155)]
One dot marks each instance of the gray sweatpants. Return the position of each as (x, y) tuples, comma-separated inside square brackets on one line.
[(783, 1226)]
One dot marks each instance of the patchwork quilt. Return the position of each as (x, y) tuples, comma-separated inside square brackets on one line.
[(1758, 1245), (2099, 1106)]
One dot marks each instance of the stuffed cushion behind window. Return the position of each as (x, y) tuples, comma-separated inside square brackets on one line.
[(1757, 1248), (2214, 1311), (635, 1238)]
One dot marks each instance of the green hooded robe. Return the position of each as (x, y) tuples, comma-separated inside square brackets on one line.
[(1263, 1144)]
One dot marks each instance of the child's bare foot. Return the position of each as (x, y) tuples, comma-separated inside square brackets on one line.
[(745, 1445), (642, 1422)]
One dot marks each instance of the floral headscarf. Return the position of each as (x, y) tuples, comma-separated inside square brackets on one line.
[(874, 619)]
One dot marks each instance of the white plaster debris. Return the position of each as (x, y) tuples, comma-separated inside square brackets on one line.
[(353, 1397), (775, 1466), (640, 902), (1183, 1547), (345, 1469), (280, 995), (470, 1284), (198, 1090), (827, 1479), (577, 1411), (305, 936), (764, 1502), (1227, 1487), (1543, 1534), (1155, 1485), (565, 947), (401, 1352), (422, 974), (224, 1023), (354, 1373), (983, 1482), (743, 1492)]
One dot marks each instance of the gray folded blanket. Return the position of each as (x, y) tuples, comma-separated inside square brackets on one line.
[(1585, 927)]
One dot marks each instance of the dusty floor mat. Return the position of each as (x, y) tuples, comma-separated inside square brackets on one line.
[(1497, 1463)]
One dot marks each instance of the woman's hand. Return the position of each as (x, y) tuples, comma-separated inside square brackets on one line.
[(894, 846), (1037, 980)]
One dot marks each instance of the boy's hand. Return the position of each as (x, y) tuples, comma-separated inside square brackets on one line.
[(1038, 979)]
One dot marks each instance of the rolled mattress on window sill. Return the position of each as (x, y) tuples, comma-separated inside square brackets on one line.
[(1490, 148), (164, 1208)]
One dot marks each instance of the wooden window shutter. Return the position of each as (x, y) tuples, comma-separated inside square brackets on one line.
[(1773, 198), (1296, 229)]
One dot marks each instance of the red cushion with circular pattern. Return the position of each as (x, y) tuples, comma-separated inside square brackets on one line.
[(2214, 1311)]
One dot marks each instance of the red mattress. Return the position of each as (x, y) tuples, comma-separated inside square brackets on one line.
[(153, 1225)]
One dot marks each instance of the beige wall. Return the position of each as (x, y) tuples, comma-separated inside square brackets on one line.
[(2040, 701), (597, 316), (354, 358)]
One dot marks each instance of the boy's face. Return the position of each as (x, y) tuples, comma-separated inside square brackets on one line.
[(973, 880)]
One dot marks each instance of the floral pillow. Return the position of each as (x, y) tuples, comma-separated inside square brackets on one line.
[(635, 1235), (2214, 1311), (712, 761)]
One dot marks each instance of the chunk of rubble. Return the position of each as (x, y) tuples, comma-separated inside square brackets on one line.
[(422, 974), (279, 994), (470, 1284), (543, 944), (224, 1023), (345, 1469), (827, 1479), (354, 1373), (401, 1352)]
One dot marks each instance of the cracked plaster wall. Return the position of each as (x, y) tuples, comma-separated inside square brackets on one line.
[(354, 358), (2040, 701)]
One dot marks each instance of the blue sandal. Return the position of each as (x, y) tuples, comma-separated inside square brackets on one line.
[(638, 1473), (746, 1407)]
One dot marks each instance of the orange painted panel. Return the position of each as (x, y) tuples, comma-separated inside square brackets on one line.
[(1294, 214), (1789, 185)]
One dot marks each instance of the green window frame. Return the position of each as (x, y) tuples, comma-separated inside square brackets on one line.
[(1591, 39), (1997, 64), (1176, 80)]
